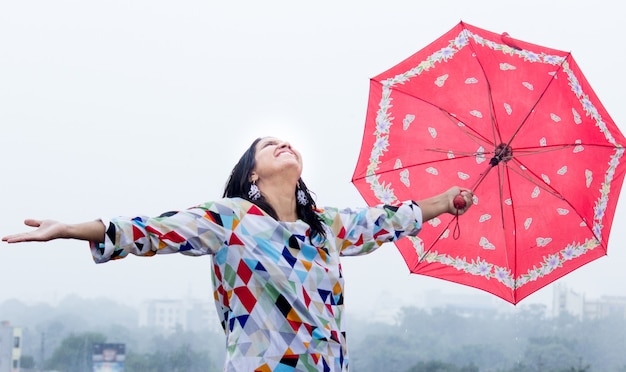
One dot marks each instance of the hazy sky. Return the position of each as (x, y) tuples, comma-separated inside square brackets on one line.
[(127, 107)]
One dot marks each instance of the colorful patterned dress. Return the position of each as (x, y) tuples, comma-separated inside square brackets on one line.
[(280, 298)]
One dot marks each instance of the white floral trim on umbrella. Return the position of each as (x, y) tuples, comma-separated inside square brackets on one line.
[(482, 268)]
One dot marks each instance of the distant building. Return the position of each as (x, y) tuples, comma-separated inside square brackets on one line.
[(165, 315), (606, 306), (10, 347), (169, 315), (567, 301), (465, 304)]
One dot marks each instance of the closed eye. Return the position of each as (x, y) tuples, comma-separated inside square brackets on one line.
[(269, 143)]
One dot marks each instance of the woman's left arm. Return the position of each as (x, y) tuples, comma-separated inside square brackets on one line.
[(363, 230)]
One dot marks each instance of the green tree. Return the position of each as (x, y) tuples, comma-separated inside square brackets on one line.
[(551, 353), (75, 352), (603, 343), (182, 359), (27, 362), (438, 366)]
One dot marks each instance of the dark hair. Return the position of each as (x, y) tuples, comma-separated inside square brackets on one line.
[(238, 185)]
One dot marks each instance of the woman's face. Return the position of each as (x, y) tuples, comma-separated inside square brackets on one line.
[(276, 157)]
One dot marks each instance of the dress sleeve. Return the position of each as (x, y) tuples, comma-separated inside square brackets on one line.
[(360, 231), (195, 231)]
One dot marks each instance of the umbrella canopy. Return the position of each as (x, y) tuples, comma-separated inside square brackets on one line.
[(517, 123)]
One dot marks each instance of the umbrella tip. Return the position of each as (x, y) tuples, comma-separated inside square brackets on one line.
[(508, 40)]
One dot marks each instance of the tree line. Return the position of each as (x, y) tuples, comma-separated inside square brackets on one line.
[(435, 340), (447, 339)]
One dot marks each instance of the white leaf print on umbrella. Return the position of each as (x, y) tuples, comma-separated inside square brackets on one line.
[(484, 242), (404, 177), (434, 222), (588, 177), (480, 155), (542, 242), (527, 223), (577, 119), (406, 122), (441, 80), (535, 192), (508, 108), (432, 170), (578, 147)]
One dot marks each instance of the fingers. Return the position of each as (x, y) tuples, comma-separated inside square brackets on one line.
[(32, 223), (463, 199), (23, 237), (15, 238)]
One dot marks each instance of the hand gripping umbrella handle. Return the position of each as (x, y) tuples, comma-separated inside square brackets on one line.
[(459, 203)]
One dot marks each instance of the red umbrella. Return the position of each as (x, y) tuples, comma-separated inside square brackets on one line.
[(518, 124)]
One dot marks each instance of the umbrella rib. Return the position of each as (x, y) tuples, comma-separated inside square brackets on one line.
[(380, 172), (461, 154), (471, 133), (518, 152), (528, 151), (432, 244), (505, 173), (548, 148), (501, 173), (551, 191), (494, 125), (532, 109), (541, 185)]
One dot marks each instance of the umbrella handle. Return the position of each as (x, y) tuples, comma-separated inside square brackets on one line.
[(459, 202)]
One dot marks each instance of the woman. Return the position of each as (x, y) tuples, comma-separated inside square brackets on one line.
[(276, 272)]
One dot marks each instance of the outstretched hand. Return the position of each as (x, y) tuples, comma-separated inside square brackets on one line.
[(46, 230)]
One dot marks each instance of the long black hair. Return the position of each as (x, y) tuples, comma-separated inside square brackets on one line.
[(238, 185)]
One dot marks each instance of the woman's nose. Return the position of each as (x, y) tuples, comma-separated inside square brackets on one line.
[(285, 144)]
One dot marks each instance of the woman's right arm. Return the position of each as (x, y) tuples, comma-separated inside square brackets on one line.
[(47, 230), (194, 231)]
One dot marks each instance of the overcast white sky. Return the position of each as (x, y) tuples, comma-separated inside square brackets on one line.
[(127, 107)]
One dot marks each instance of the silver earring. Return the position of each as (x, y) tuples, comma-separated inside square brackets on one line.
[(254, 193), (302, 199)]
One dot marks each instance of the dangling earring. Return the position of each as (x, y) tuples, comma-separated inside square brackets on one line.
[(301, 195), (254, 193)]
